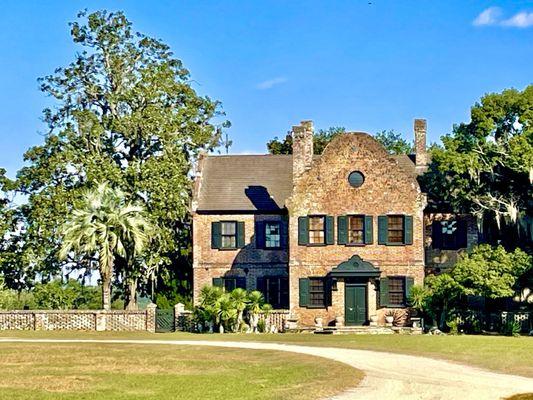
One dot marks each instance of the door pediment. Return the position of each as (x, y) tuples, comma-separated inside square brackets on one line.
[(355, 267)]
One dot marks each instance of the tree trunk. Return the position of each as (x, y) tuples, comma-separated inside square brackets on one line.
[(106, 292), (132, 294)]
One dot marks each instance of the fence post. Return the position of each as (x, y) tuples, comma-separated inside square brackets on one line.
[(150, 317)]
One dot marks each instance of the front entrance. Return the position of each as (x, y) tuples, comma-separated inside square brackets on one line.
[(354, 304)]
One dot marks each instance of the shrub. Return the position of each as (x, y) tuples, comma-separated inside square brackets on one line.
[(511, 328), (226, 310), (261, 325)]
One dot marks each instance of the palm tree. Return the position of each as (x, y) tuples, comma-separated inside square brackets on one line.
[(239, 297), (105, 224), (255, 303)]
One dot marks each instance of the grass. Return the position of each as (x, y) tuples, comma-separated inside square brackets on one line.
[(497, 353), (112, 372)]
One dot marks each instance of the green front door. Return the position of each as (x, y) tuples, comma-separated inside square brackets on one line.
[(355, 304)]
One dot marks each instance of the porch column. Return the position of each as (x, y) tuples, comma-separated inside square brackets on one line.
[(371, 298)]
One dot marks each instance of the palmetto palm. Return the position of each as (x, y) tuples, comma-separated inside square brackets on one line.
[(239, 297), (106, 224)]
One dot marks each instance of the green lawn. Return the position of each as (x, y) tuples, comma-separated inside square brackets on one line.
[(110, 371), (499, 353)]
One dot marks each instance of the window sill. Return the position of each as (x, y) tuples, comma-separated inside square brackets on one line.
[(356, 244)]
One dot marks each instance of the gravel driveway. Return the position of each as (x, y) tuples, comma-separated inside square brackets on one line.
[(388, 375)]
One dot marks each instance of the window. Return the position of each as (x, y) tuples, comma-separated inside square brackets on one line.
[(272, 235), (356, 229), (317, 230), (396, 290), (275, 290), (230, 283), (228, 233), (395, 228), (316, 292), (356, 179), (449, 235)]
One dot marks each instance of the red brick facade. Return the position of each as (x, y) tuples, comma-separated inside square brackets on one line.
[(320, 186)]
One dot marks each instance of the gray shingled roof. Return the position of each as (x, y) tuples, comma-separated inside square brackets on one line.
[(253, 182), (245, 183)]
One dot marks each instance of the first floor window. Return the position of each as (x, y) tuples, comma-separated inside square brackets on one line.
[(397, 290), (317, 228), (230, 283), (316, 292), (356, 229), (228, 233), (272, 235), (275, 291), (395, 229)]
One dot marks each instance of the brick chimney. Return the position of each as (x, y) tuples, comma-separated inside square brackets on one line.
[(420, 145), (302, 148)]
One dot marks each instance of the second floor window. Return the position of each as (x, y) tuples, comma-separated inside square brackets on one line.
[(356, 229), (396, 228), (228, 233), (272, 235), (317, 230)]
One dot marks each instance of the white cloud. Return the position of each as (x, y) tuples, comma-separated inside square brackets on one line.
[(490, 16), (270, 83), (523, 19)]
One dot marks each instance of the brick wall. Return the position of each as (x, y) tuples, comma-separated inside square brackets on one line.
[(248, 262), (84, 320)]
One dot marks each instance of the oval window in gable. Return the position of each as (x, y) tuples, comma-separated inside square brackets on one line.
[(356, 179)]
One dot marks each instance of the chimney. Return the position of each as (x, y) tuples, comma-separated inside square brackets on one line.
[(302, 148), (420, 145)]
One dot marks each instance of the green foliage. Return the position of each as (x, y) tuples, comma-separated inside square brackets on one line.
[(56, 295), (103, 224), (490, 271), (261, 326), (225, 310), (486, 271), (511, 328), (321, 139), (485, 166), (125, 112), (393, 142)]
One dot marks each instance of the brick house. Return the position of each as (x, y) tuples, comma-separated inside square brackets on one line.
[(341, 236)]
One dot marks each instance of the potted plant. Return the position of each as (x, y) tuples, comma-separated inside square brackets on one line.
[(389, 317)]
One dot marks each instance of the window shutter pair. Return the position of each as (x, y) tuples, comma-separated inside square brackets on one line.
[(383, 229), (342, 229), (216, 235), (303, 230)]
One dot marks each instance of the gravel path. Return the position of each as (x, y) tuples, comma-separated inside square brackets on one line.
[(388, 375)]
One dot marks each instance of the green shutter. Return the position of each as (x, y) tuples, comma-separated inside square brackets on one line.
[(284, 227), (408, 229), (461, 234), (342, 229), (384, 292), (383, 229), (219, 282), (304, 292), (330, 227), (240, 235), (369, 229), (303, 231), (215, 235), (259, 235), (409, 282)]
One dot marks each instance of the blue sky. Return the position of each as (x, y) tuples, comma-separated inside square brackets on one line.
[(340, 63)]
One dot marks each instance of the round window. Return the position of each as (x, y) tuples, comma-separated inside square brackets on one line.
[(356, 179)]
